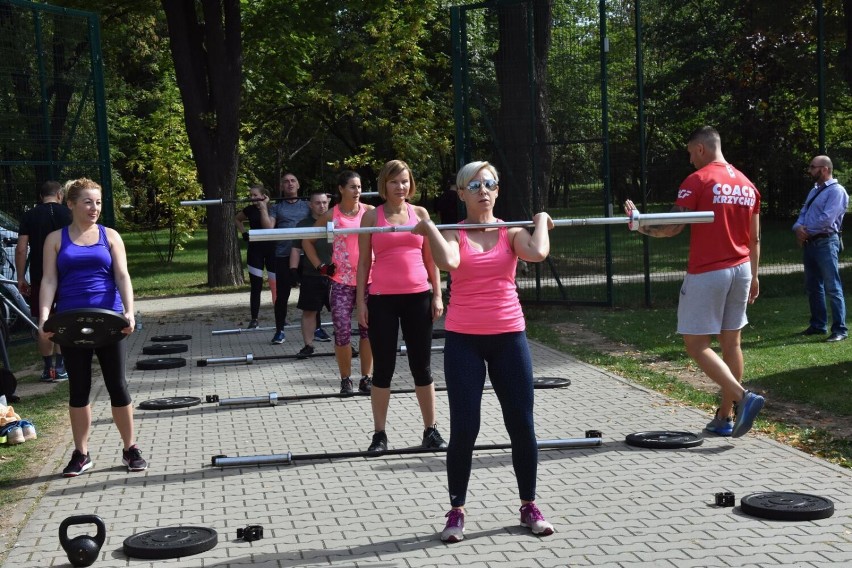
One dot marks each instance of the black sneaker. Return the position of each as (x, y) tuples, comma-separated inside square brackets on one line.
[(305, 352), (132, 458), (252, 324), (346, 386), (379, 443), (78, 464), (366, 385), (432, 439)]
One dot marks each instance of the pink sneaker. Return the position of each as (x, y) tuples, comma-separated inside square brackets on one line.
[(531, 517), (454, 530)]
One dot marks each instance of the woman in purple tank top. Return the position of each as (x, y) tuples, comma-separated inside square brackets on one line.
[(85, 266)]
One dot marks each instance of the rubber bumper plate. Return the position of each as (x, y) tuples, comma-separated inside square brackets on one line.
[(167, 338), (170, 542), (664, 440), (90, 327), (160, 363), (164, 348), (782, 506), (168, 403)]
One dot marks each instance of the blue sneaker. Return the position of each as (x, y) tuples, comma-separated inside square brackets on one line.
[(278, 338), (61, 375), (746, 411), (321, 335), (720, 426)]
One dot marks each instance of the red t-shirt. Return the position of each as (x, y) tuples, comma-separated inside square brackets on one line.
[(732, 197)]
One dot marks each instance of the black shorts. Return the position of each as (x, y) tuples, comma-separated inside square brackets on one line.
[(313, 294)]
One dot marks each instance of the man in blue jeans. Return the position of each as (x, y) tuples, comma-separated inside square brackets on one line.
[(818, 231)]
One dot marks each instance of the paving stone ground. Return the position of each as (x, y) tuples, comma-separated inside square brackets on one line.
[(613, 505)]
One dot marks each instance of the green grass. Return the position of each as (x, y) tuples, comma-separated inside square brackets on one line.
[(185, 275)]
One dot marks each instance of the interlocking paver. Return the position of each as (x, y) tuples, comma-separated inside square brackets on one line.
[(613, 506)]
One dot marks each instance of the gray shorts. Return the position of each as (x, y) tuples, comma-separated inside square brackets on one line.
[(712, 302)]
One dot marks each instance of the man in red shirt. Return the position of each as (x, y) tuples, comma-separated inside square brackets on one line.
[(721, 275)]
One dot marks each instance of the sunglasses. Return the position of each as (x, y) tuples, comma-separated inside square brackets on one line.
[(476, 185)]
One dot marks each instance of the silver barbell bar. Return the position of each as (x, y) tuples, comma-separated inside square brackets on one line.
[(254, 329), (289, 457), (204, 202), (633, 222)]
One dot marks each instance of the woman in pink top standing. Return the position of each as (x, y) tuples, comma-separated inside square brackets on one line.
[(405, 292), (341, 271), (485, 327)]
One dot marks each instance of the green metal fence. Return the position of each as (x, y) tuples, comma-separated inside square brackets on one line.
[(53, 122)]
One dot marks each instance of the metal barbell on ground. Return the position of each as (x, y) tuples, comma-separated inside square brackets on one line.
[(273, 397), (204, 202), (254, 329), (403, 350), (289, 457), (251, 358), (634, 221)]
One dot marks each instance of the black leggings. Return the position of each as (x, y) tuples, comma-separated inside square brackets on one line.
[(283, 285), (78, 364), (257, 258), (412, 312)]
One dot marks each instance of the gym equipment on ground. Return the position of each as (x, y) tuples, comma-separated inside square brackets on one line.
[(403, 350), (170, 542), (169, 403), (785, 506), (159, 363), (250, 358), (664, 440), (288, 458), (634, 221), (82, 550), (165, 348), (272, 398), (251, 533), (89, 327), (174, 337), (247, 330)]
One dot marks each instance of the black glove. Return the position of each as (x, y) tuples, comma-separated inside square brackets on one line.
[(246, 236), (295, 278), (326, 269)]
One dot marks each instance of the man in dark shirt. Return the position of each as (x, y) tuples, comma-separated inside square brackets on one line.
[(36, 224)]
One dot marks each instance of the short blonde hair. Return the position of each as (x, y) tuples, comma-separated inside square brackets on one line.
[(469, 171), (74, 187), (393, 169)]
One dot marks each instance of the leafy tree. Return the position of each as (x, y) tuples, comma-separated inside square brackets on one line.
[(207, 51)]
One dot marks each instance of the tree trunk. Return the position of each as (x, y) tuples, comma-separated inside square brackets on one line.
[(522, 150), (208, 66)]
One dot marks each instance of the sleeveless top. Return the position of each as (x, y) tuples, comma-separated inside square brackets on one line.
[(484, 300), (344, 249), (398, 268), (86, 279)]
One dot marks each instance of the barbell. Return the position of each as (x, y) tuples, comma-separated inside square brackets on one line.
[(288, 458), (634, 221), (205, 202)]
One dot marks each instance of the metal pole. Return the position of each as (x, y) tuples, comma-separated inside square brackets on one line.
[(250, 358), (403, 350), (633, 222), (821, 72), (192, 202), (289, 457), (246, 330)]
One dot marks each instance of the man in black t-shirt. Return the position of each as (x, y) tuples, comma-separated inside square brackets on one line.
[(36, 224)]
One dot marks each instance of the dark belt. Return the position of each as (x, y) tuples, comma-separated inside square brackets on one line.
[(820, 236)]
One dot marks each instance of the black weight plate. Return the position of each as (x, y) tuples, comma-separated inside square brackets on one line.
[(781, 506), (550, 382), (170, 542), (167, 338), (664, 440), (168, 403), (91, 327), (160, 363), (164, 348)]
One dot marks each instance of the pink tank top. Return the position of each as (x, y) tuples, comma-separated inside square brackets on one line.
[(398, 268), (484, 300), (344, 249)]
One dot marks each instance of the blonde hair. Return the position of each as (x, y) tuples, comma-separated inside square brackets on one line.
[(74, 187), (259, 187), (469, 171), (393, 169)]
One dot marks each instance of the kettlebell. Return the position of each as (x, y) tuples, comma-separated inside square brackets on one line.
[(82, 550)]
